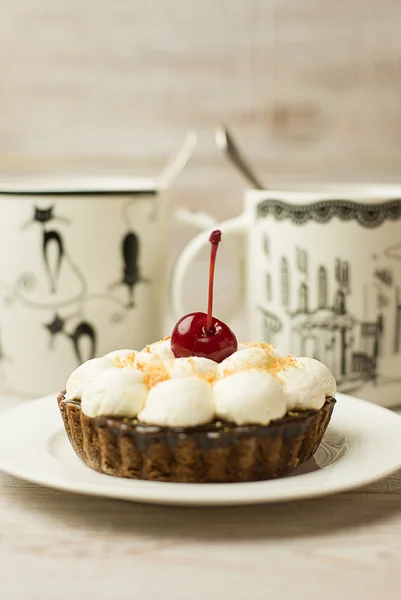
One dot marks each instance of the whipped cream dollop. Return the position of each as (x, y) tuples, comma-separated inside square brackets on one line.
[(119, 354), (162, 350), (245, 358), (321, 372), (252, 396), (302, 390), (184, 402), (192, 366), (83, 376), (115, 392), (255, 385)]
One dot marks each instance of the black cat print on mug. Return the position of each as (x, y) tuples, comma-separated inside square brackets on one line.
[(53, 239), (44, 215), (131, 270), (83, 331), (50, 239)]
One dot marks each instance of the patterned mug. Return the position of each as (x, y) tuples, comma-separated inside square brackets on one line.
[(323, 279), (82, 271)]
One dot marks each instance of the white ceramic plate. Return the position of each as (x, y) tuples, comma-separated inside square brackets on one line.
[(362, 444)]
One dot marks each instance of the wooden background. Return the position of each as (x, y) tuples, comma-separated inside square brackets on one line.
[(311, 88)]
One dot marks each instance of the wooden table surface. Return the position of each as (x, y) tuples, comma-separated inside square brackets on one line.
[(58, 545)]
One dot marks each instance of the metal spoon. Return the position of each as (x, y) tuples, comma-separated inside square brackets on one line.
[(227, 145)]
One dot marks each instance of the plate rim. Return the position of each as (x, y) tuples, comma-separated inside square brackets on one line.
[(160, 492)]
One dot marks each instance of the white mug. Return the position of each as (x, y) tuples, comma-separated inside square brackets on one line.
[(323, 279), (82, 271)]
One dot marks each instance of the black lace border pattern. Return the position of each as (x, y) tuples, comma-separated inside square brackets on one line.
[(367, 215)]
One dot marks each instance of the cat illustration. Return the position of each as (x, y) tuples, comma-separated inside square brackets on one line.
[(83, 330), (131, 270), (44, 215), (53, 239)]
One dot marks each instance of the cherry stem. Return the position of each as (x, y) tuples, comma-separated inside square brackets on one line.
[(214, 239)]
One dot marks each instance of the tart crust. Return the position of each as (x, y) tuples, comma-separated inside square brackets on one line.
[(218, 452)]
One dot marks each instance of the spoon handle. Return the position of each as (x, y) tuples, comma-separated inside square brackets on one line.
[(226, 143)]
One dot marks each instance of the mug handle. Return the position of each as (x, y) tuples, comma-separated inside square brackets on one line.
[(196, 218), (238, 224)]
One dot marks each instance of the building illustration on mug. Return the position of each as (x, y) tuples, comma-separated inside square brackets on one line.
[(319, 321)]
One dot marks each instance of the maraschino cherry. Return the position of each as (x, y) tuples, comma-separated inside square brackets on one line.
[(201, 334)]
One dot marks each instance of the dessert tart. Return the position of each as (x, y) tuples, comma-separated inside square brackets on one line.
[(198, 407)]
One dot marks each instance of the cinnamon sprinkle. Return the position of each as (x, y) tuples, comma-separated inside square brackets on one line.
[(274, 367), (156, 372), (128, 361), (281, 363), (210, 377), (153, 373), (263, 345)]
